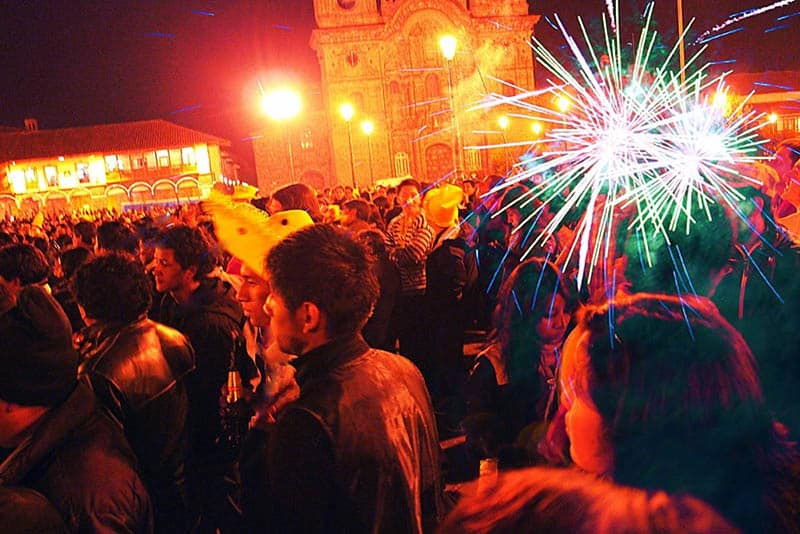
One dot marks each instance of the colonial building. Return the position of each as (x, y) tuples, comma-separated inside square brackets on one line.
[(110, 165), (773, 93), (384, 59)]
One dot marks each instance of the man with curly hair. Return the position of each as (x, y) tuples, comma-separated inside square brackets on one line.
[(138, 369), (205, 309)]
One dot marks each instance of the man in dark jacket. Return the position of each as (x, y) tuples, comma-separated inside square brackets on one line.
[(358, 451), (137, 368), (54, 438), (205, 310)]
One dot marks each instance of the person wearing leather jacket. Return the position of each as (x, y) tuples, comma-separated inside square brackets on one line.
[(137, 368)]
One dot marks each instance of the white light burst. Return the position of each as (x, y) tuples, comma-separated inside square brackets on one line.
[(628, 137)]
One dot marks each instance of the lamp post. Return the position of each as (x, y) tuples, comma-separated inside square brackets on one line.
[(681, 48), (368, 127), (503, 121), (282, 105), (448, 45), (562, 102), (347, 112)]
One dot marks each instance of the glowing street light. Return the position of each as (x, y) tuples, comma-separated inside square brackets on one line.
[(282, 105), (448, 45), (346, 111), (368, 127), (537, 128), (503, 122), (562, 103), (772, 118)]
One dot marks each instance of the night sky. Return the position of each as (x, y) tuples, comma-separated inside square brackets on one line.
[(198, 63)]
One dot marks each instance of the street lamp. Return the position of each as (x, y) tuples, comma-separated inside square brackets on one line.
[(347, 112), (368, 127), (537, 128), (563, 104), (448, 45), (282, 105), (503, 121)]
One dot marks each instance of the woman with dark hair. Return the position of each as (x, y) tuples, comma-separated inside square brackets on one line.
[(662, 393), (511, 386), (296, 197)]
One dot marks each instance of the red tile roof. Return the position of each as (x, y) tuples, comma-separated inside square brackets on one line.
[(104, 138), (764, 82)]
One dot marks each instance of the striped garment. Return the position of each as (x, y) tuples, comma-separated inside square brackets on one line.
[(409, 241)]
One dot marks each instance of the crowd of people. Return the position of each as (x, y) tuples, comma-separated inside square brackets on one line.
[(296, 363)]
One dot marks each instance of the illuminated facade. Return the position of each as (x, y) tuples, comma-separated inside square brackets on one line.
[(384, 58), (110, 165), (774, 94)]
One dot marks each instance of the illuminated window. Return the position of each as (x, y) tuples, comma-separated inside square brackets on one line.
[(473, 160), (123, 162), (175, 157), (307, 141), (402, 166), (151, 160), (111, 163), (83, 173), (163, 158), (51, 175), (139, 161), (187, 155)]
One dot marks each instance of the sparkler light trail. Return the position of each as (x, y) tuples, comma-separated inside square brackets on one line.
[(633, 142), (738, 17)]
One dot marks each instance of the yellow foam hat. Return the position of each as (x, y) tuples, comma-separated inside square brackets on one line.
[(441, 205), (249, 233)]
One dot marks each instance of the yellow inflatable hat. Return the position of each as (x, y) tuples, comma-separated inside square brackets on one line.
[(249, 233)]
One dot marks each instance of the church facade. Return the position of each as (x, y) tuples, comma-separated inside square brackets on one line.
[(385, 60)]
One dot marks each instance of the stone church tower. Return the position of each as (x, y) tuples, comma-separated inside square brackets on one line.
[(384, 58)]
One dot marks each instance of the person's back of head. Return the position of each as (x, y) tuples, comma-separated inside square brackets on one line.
[(115, 235), (299, 197), (86, 234), (113, 287), (572, 502), (680, 404), (72, 258), (23, 263)]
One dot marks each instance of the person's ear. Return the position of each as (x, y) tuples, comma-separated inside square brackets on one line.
[(311, 317), (190, 273)]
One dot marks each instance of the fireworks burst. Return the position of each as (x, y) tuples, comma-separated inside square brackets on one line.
[(629, 139), (738, 17)]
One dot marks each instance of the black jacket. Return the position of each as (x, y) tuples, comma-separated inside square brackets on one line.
[(357, 452), (212, 320), (138, 371), (79, 459)]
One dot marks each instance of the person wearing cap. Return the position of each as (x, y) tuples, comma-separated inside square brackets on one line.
[(54, 436), (358, 451), (138, 369), (450, 272)]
